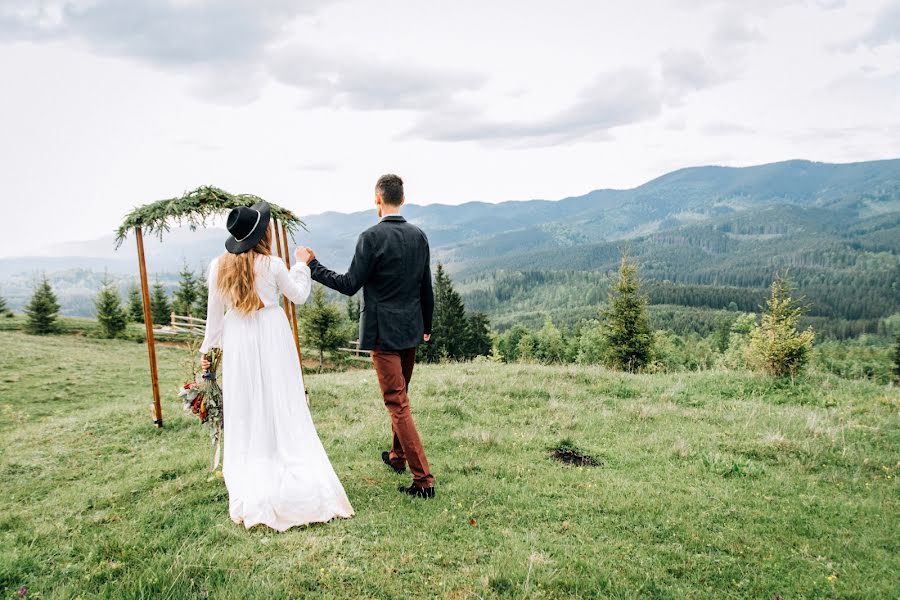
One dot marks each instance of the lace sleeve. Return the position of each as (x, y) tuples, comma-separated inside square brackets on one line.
[(296, 283), (215, 312)]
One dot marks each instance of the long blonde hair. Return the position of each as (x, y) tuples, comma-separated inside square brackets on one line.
[(237, 276)]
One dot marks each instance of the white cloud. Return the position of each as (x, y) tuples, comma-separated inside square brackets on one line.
[(342, 79), (221, 43), (885, 29), (686, 71), (613, 99), (734, 28), (112, 103)]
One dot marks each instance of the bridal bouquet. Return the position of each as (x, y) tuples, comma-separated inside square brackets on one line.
[(204, 399), (192, 400)]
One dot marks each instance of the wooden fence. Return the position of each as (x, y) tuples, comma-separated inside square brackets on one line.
[(183, 324), (355, 352)]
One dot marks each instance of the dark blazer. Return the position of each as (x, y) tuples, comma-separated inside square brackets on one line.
[(392, 265)]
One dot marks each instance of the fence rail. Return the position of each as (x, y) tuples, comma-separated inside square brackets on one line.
[(355, 352), (183, 324)]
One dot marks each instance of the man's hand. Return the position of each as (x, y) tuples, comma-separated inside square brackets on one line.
[(427, 337), (304, 254), (204, 363)]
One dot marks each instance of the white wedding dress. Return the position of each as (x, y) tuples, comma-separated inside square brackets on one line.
[(275, 468)]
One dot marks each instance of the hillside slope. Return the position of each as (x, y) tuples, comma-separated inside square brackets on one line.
[(709, 485)]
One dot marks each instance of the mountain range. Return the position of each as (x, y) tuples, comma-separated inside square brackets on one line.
[(835, 227)]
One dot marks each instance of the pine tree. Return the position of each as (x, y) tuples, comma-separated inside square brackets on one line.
[(202, 299), (322, 324), (42, 310), (776, 346), (478, 340), (110, 314), (135, 309), (448, 332), (3, 308), (187, 293), (625, 323), (160, 309)]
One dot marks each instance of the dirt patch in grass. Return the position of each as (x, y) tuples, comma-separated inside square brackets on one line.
[(569, 454)]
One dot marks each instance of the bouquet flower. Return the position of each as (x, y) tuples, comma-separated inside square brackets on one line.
[(204, 399), (192, 400)]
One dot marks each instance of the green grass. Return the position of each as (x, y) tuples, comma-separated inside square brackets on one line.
[(711, 485), (137, 332)]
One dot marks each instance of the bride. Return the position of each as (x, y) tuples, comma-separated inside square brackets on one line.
[(275, 468)]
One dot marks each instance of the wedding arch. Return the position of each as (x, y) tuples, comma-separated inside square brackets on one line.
[(195, 208)]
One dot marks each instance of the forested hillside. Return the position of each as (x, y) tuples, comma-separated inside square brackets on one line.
[(846, 269)]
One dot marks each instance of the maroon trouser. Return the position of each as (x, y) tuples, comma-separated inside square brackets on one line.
[(394, 369)]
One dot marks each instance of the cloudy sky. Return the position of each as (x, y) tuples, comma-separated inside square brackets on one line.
[(107, 104)]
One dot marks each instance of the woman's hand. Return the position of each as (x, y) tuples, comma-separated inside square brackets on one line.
[(304, 254), (204, 363)]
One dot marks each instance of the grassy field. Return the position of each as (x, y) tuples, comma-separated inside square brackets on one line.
[(711, 485)]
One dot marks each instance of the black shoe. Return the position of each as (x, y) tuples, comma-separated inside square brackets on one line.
[(386, 459), (417, 492)]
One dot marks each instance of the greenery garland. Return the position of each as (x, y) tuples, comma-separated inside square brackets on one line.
[(194, 208)]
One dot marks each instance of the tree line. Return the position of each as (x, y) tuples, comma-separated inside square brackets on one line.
[(621, 336), (523, 297), (190, 297)]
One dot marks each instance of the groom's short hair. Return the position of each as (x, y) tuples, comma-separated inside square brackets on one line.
[(390, 188)]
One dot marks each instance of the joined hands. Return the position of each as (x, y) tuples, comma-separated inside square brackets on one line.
[(304, 254)]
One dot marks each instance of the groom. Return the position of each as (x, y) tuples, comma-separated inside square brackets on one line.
[(392, 266)]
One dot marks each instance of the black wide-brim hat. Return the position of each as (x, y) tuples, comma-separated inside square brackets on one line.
[(247, 226)]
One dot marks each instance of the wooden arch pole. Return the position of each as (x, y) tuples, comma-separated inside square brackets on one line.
[(294, 324), (277, 240), (293, 318), (148, 322)]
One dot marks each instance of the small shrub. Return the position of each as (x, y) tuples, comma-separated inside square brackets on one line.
[(734, 356), (592, 346), (550, 347), (322, 323)]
